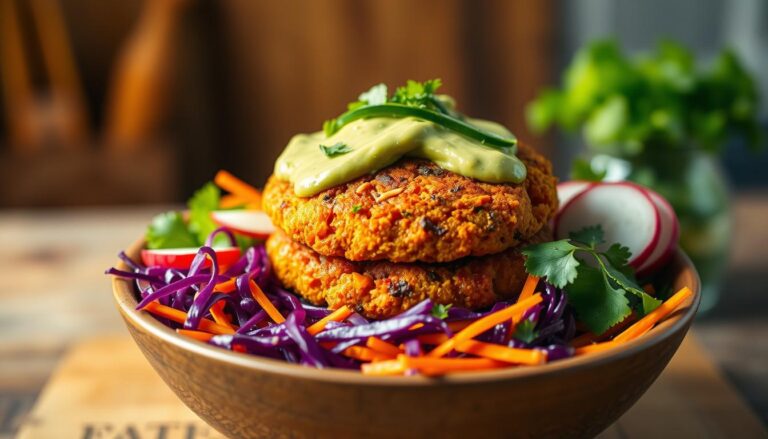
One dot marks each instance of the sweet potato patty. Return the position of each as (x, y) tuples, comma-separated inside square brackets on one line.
[(416, 211), (383, 289)]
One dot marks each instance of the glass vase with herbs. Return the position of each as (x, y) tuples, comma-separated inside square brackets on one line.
[(659, 120)]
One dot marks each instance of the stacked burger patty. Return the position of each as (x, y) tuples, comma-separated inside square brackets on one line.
[(411, 231)]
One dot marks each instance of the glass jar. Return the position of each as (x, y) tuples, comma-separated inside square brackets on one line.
[(693, 182)]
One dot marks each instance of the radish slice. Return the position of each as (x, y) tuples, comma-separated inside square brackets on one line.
[(181, 258), (253, 223), (670, 232), (569, 189), (626, 213)]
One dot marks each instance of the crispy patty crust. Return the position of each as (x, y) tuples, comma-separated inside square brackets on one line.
[(381, 289), (416, 211)]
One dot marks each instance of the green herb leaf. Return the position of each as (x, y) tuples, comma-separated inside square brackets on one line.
[(583, 170), (591, 236), (554, 261), (168, 230), (440, 311), (202, 203), (525, 331), (647, 303), (336, 149), (597, 303), (356, 208), (618, 255)]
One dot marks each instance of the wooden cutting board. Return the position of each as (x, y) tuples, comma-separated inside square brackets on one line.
[(105, 389)]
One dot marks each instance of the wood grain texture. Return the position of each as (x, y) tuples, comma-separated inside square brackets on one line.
[(245, 396)]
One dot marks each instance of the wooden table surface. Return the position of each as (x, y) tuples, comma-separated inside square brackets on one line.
[(55, 293)]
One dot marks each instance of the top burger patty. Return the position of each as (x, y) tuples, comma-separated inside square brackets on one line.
[(414, 211)]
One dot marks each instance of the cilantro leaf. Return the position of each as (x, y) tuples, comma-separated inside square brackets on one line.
[(356, 208), (338, 148), (597, 303), (525, 331), (377, 95), (419, 94), (553, 260), (168, 230), (647, 302), (440, 311), (591, 236), (618, 255), (202, 203)]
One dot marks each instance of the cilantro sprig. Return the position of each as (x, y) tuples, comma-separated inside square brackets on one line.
[(415, 99), (338, 148), (600, 285)]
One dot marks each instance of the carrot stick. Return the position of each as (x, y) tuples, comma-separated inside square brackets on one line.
[(530, 285), (220, 317), (483, 324), (197, 335), (492, 351), (433, 339), (387, 367), (237, 187), (382, 346), (646, 323), (262, 299), (179, 316), (440, 366), (589, 338), (363, 353), (230, 201), (597, 347), (337, 316), (226, 287)]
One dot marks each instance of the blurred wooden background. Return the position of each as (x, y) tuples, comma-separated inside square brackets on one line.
[(175, 89)]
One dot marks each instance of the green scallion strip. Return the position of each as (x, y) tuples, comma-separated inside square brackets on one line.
[(399, 110)]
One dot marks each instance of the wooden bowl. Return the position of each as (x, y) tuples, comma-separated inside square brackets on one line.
[(245, 396)]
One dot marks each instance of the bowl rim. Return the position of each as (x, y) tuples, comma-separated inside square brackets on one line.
[(126, 302)]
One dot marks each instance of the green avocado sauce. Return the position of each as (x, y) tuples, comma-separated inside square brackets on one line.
[(376, 143)]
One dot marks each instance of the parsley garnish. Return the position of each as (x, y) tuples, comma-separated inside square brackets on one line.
[(603, 293), (338, 148), (356, 208), (525, 331), (440, 311)]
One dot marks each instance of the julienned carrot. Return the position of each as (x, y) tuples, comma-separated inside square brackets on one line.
[(492, 351), (382, 346), (179, 316), (237, 187), (230, 201), (588, 338), (265, 304), (363, 353), (646, 323), (226, 287), (528, 288), (197, 335), (387, 367), (597, 347), (219, 316), (440, 366), (337, 316), (483, 324), (433, 339)]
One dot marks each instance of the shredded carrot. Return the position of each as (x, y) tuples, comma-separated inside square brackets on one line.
[(528, 288), (387, 367), (440, 366), (416, 326), (220, 317), (597, 347), (492, 351), (264, 302), (230, 201), (363, 353), (237, 187), (197, 335), (514, 312), (646, 323), (382, 346), (588, 338), (339, 315), (179, 316), (433, 339), (226, 287)]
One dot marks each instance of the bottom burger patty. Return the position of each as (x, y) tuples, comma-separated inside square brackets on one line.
[(381, 289)]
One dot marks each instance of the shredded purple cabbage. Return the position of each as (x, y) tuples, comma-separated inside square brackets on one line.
[(194, 292)]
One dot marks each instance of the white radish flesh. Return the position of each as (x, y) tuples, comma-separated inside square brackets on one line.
[(668, 236), (253, 223), (569, 189)]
